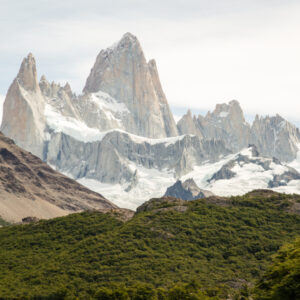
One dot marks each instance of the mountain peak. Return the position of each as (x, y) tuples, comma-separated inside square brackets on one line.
[(122, 72), (27, 75), (129, 37)]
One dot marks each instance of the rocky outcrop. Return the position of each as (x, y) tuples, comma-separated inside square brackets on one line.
[(188, 125), (275, 137), (226, 123), (123, 73), (29, 187), (187, 190), (225, 172), (23, 110), (61, 99), (284, 178)]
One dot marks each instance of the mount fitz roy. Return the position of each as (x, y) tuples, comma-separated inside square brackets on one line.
[(119, 136)]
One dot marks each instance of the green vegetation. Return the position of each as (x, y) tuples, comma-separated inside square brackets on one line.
[(282, 279), (3, 223), (207, 251)]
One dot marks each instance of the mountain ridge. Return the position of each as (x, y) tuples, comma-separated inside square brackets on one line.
[(121, 131)]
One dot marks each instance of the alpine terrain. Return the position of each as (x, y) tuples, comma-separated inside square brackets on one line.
[(119, 136)]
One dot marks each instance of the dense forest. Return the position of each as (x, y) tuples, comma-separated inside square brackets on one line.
[(204, 249)]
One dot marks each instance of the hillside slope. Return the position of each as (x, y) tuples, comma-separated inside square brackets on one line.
[(29, 187), (219, 243)]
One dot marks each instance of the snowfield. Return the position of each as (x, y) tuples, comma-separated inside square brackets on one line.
[(154, 183)]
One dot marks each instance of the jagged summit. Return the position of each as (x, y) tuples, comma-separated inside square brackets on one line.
[(123, 73), (108, 59), (232, 109), (27, 75), (128, 38)]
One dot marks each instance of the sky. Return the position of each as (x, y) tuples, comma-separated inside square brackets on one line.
[(207, 51)]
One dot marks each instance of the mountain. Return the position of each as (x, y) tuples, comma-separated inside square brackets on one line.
[(29, 187), (167, 245), (123, 73), (187, 190), (119, 137), (273, 136)]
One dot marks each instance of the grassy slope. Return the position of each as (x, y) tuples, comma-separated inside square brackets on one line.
[(213, 245)]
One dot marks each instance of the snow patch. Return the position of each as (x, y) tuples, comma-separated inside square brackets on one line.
[(80, 131), (151, 183), (106, 102), (224, 114), (70, 126)]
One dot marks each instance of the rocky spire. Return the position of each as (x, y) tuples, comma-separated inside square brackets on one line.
[(188, 125), (68, 90), (27, 76), (123, 72), (44, 85), (127, 47), (23, 109)]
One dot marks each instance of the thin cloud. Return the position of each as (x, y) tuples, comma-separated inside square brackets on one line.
[(206, 52)]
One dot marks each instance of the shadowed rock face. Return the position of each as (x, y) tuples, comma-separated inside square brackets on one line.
[(29, 187), (187, 190)]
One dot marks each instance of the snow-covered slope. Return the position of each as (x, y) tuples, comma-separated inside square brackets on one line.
[(248, 172), (251, 172)]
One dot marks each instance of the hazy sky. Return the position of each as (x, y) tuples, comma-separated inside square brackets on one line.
[(207, 52)]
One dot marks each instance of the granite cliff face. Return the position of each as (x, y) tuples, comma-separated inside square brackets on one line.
[(116, 157), (225, 123), (123, 73), (23, 111), (275, 136)]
